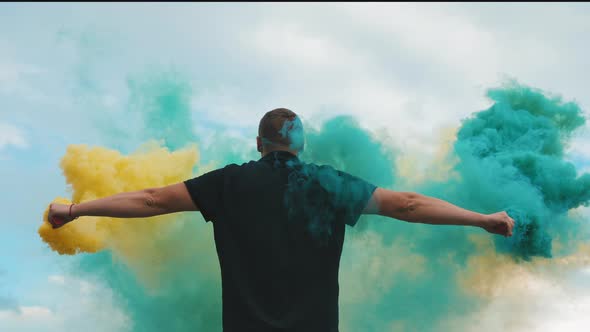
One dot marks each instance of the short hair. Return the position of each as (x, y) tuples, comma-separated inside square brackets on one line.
[(281, 127)]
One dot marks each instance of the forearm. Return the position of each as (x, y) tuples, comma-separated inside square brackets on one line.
[(134, 204), (430, 210)]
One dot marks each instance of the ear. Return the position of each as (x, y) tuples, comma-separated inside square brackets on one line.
[(259, 144)]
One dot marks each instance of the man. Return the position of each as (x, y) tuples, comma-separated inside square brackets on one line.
[(279, 227)]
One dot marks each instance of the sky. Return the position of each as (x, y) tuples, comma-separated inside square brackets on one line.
[(410, 73)]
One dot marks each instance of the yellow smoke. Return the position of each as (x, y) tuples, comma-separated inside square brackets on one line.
[(95, 172), (73, 237), (438, 168), (489, 274)]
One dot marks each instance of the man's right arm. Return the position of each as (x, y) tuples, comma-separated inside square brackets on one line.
[(417, 208)]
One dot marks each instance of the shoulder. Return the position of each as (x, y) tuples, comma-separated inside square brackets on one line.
[(325, 172), (234, 167), (314, 169), (244, 170), (330, 171), (212, 175)]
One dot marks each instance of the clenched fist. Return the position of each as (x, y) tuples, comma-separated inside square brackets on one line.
[(59, 214), (499, 223)]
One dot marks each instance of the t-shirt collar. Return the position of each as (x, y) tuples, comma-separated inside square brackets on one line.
[(279, 155)]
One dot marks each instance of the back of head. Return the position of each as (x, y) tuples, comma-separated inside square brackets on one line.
[(281, 129)]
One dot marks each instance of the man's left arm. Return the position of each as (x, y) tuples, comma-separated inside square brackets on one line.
[(137, 204)]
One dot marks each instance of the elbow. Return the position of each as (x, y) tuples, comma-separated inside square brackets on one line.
[(413, 201), (400, 205), (151, 198), (410, 204)]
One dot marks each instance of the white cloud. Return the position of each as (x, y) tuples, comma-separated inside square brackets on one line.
[(57, 279), (290, 42), (321, 72), (24, 313), (11, 135), (531, 302), (580, 144), (11, 73), (67, 304), (15, 79), (433, 34), (28, 318), (578, 151)]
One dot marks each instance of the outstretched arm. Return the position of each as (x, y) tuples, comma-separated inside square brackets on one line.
[(413, 207), (136, 204)]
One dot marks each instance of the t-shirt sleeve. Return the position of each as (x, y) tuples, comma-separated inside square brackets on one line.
[(206, 192), (356, 194)]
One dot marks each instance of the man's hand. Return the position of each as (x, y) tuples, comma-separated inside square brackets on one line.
[(59, 215), (499, 223)]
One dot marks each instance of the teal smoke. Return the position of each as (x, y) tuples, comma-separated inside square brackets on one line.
[(513, 153)]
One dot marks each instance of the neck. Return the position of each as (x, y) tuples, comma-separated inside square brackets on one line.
[(265, 152)]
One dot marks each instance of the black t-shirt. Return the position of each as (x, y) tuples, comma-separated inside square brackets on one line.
[(279, 228)]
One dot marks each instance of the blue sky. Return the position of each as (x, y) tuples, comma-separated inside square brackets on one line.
[(404, 70)]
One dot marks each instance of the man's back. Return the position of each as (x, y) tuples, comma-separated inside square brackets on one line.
[(279, 262)]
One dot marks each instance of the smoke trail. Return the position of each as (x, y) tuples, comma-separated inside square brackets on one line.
[(512, 158), (394, 275)]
